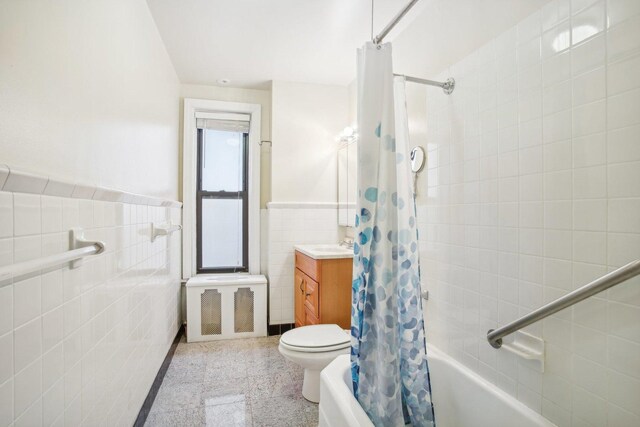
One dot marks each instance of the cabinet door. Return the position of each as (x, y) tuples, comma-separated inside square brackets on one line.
[(312, 296), (298, 291)]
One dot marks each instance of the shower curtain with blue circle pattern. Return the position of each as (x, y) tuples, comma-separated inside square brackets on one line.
[(388, 350)]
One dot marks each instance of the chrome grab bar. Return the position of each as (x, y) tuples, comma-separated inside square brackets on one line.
[(494, 336)]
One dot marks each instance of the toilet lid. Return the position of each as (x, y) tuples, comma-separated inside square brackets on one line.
[(316, 336)]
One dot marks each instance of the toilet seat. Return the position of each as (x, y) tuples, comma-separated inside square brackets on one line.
[(316, 339)]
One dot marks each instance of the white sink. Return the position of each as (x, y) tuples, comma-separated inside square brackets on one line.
[(325, 251)]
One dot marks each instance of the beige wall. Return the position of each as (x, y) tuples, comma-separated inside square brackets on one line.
[(251, 96), (306, 118), (88, 94)]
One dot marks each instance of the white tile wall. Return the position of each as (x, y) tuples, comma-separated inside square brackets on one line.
[(83, 346), (536, 191), (296, 225)]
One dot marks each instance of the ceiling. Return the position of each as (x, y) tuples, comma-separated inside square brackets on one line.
[(251, 42)]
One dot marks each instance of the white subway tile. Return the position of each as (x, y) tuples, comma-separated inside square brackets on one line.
[(622, 144), (621, 10), (589, 150), (27, 386), (52, 329), (558, 215), (557, 244), (27, 344), (6, 403), (6, 357), (622, 248), (591, 313), (590, 215), (6, 309), (623, 110), (624, 180), (588, 23), (623, 40), (31, 417), (26, 301), (529, 27), (556, 127), (624, 391), (590, 247), (557, 97), (6, 214), (27, 214), (557, 156), (52, 290), (589, 87), (556, 39), (590, 376), (624, 356), (27, 248), (557, 185), (53, 367), (51, 214), (579, 5), (53, 402), (623, 321), (588, 55), (6, 252), (590, 183), (590, 344), (556, 69), (623, 75), (589, 118), (617, 416), (624, 215)]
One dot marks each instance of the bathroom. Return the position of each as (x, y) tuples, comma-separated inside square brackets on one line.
[(150, 278)]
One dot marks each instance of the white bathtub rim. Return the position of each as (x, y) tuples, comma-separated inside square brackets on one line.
[(500, 394)]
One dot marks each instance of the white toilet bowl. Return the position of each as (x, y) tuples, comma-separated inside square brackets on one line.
[(313, 348)]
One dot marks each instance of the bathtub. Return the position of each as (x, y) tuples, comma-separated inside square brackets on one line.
[(461, 398)]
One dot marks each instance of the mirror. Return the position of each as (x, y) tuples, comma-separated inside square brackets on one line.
[(347, 183), (418, 157)]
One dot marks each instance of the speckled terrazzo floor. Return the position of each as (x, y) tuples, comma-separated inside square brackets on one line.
[(232, 383)]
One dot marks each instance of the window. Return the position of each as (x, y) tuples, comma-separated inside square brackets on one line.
[(222, 213)]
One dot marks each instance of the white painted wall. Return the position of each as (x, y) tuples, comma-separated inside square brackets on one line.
[(306, 118), (88, 94)]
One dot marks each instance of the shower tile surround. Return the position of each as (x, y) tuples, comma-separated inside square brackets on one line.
[(532, 190), (290, 224), (83, 346)]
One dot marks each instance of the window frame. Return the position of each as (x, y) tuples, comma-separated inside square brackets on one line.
[(194, 108), (228, 195)]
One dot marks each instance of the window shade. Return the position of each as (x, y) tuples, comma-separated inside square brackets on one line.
[(223, 125)]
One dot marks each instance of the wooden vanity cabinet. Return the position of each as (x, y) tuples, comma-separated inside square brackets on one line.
[(322, 289)]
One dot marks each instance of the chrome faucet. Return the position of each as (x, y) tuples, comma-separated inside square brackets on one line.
[(347, 243)]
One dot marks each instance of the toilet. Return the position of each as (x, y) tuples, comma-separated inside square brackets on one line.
[(313, 348)]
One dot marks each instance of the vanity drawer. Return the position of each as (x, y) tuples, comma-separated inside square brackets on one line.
[(312, 296), (308, 265)]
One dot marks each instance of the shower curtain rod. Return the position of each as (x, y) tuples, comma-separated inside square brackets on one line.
[(378, 39), (447, 86)]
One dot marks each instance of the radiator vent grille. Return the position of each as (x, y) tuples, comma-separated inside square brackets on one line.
[(211, 312), (243, 301)]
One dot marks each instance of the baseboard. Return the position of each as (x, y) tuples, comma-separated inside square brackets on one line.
[(279, 329), (157, 382)]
